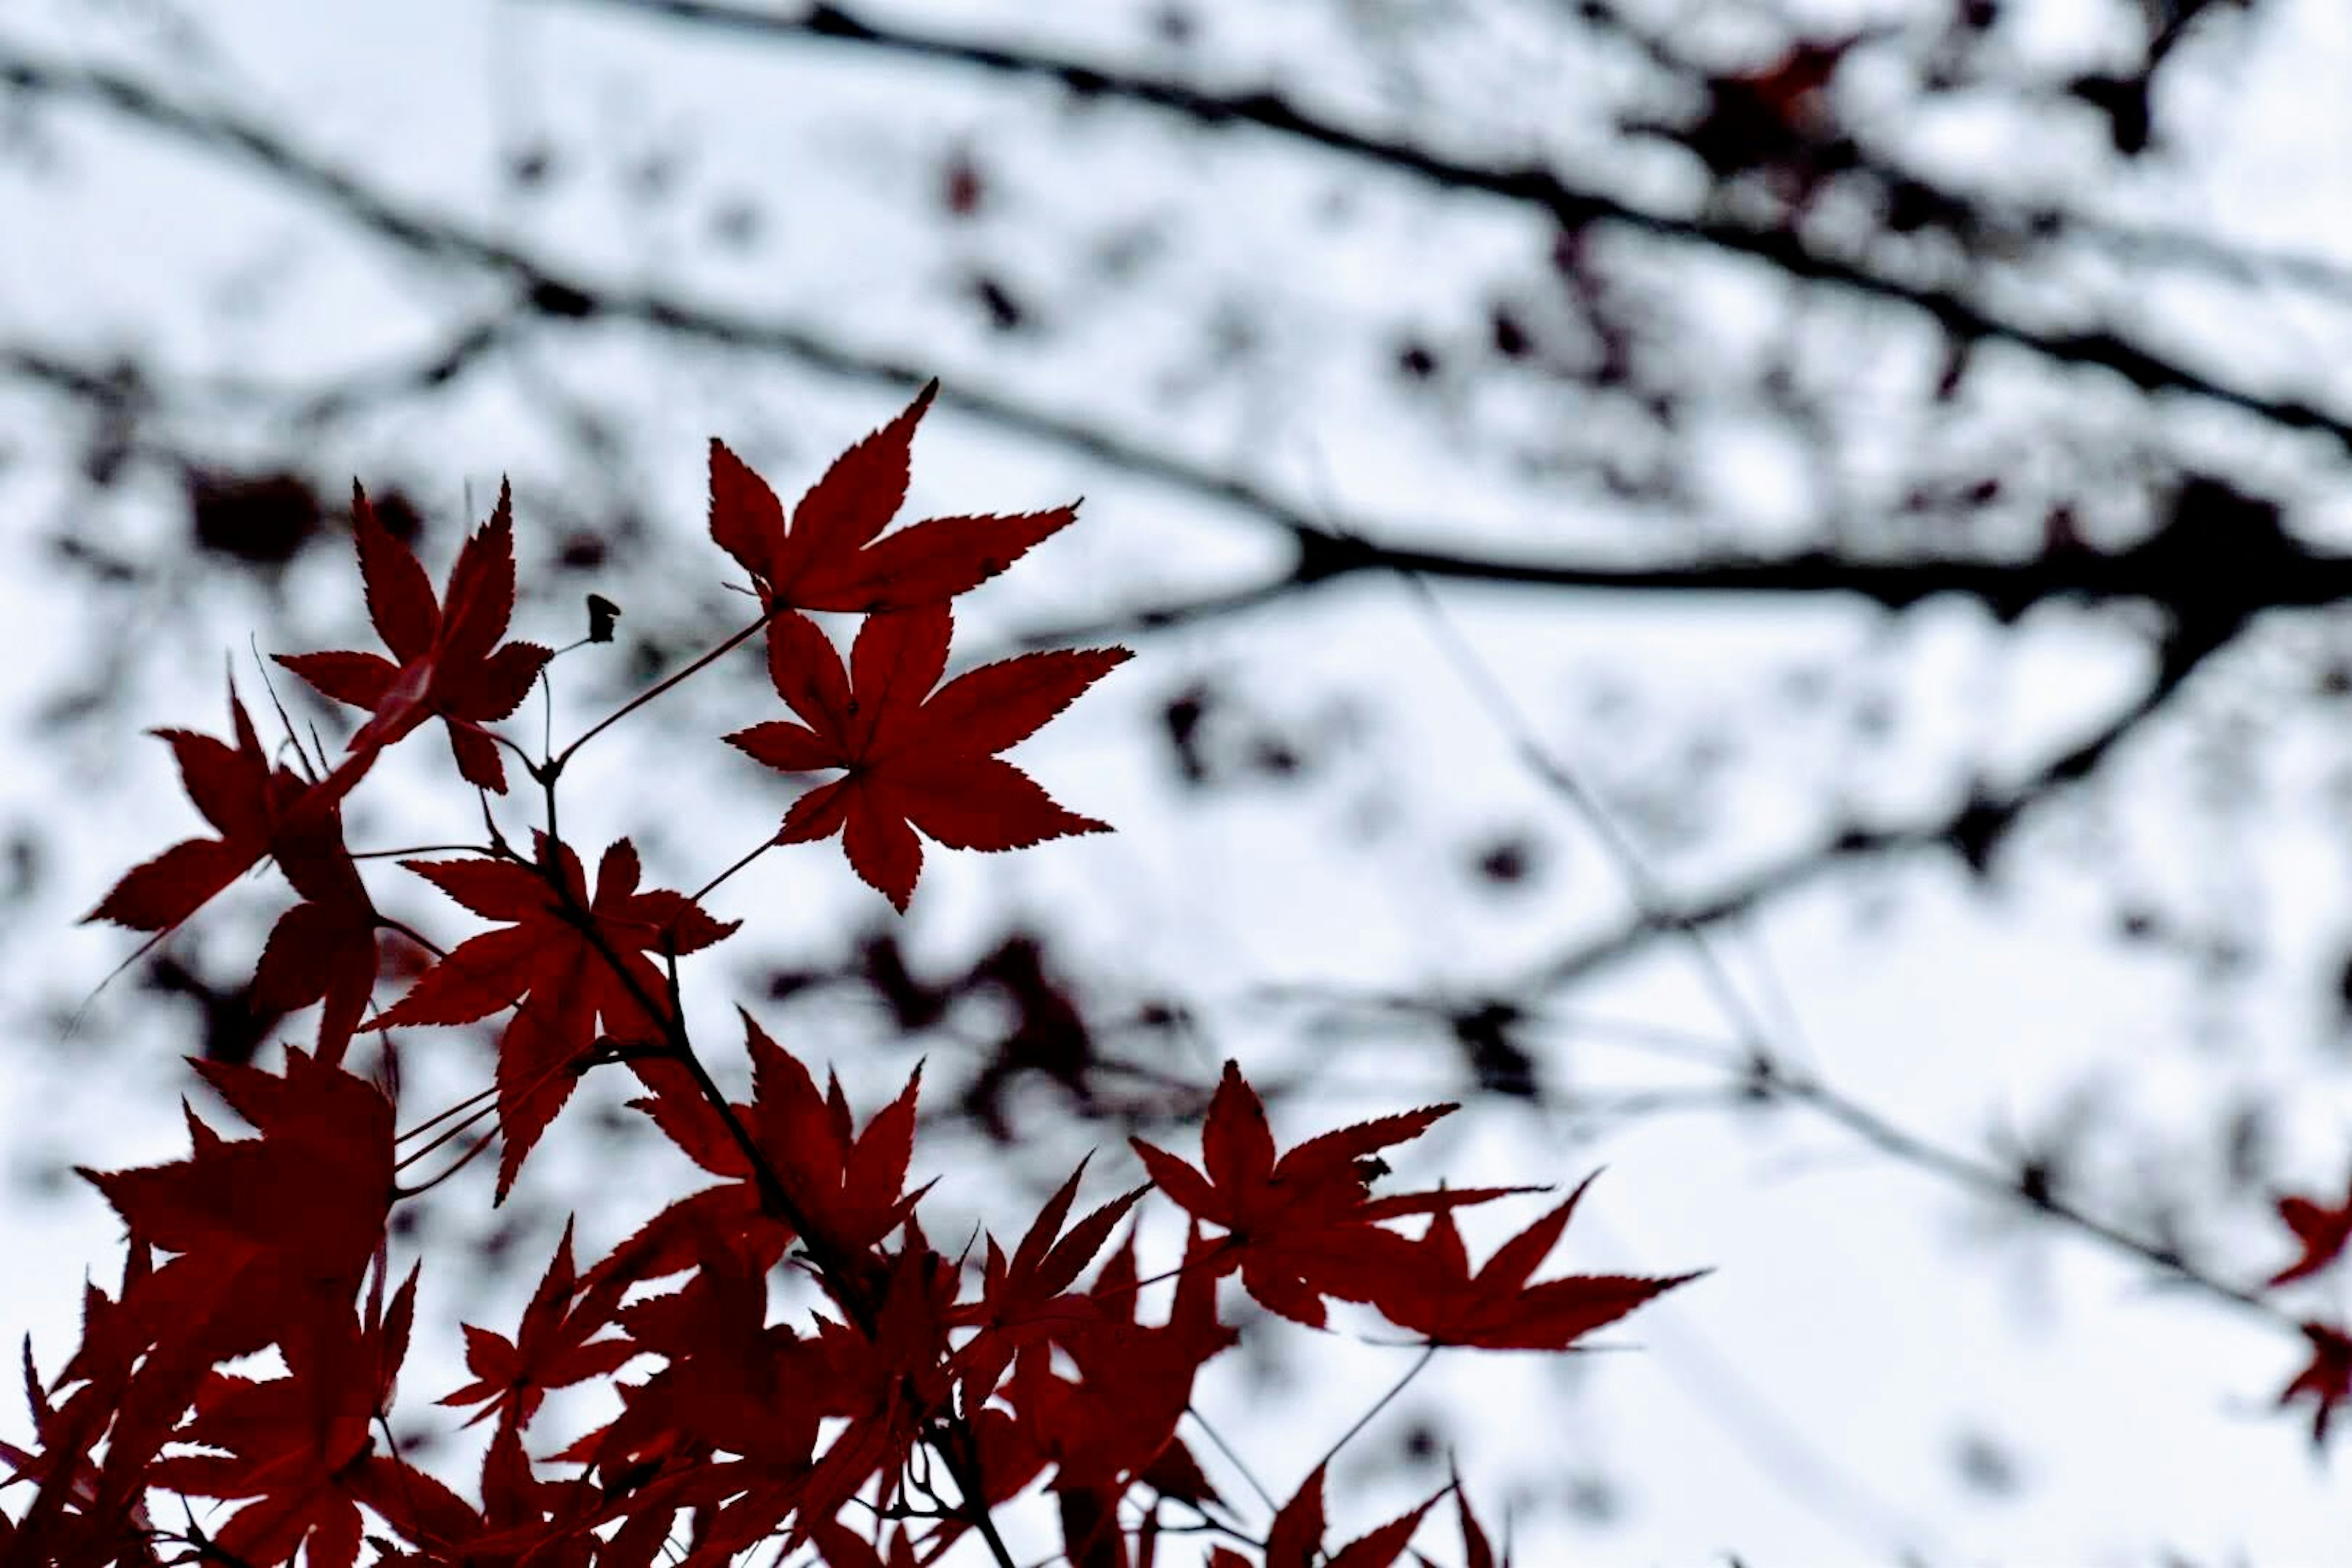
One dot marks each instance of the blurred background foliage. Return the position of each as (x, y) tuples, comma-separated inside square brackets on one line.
[(1590, 484)]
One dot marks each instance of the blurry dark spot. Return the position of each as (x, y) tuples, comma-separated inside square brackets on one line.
[(962, 188), (913, 1005), (1049, 1035), (2246, 1145), (528, 168), (1496, 1059), (101, 565), (654, 177), (1976, 832), (583, 552), (736, 223), (785, 982), (1507, 862), (1510, 337), (1985, 1466), (1004, 312), (551, 297), (1160, 1014), (23, 867), (1873, 717), (2135, 923), (1175, 25), (1592, 1499), (2124, 100), (2037, 1182), (1275, 758), (1416, 361), (1181, 719), (233, 1030), (260, 519), (399, 516)]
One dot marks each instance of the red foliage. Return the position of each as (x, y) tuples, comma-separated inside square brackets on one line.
[(916, 758), (445, 657), (928, 1393), (2322, 1230)]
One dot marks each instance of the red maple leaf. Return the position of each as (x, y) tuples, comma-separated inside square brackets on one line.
[(1134, 1380), (1296, 1536), (324, 948), (916, 758), (300, 1446), (554, 1348), (1477, 1552), (445, 658), (1023, 1298), (556, 958), (734, 1382), (239, 793), (1302, 1228), (1434, 1293), (257, 809), (272, 1234), (2325, 1379), (830, 558), (847, 1184), (2324, 1233)]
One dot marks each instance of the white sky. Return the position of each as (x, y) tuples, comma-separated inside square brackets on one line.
[(1804, 1403)]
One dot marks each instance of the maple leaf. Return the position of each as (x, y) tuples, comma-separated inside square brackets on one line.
[(1301, 1228), (556, 958), (554, 1348), (239, 793), (324, 948), (1296, 1536), (254, 807), (446, 660), (1023, 1298), (916, 758), (2323, 1232), (2325, 1379), (1477, 1552), (848, 1185), (272, 1234), (831, 558), (300, 1446), (733, 1382), (1434, 1293), (1135, 1380)]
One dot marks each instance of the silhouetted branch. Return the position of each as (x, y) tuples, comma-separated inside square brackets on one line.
[(1571, 207)]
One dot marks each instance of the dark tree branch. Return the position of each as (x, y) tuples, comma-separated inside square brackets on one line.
[(1571, 207), (1973, 830)]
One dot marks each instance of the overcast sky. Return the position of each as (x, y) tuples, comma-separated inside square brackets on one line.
[(1869, 1339)]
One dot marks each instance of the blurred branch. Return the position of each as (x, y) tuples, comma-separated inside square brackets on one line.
[(2273, 576), (1973, 830), (1570, 208)]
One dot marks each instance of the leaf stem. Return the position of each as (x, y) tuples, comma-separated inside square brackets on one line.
[(1365, 1420), (703, 891), (555, 763)]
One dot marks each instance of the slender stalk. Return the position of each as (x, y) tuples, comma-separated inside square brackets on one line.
[(1381, 1404), (704, 891), (555, 763)]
